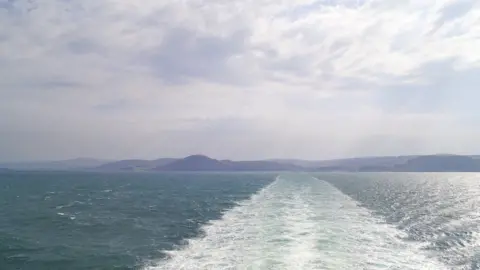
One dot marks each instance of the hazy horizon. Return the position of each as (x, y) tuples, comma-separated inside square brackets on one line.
[(107, 160), (240, 80)]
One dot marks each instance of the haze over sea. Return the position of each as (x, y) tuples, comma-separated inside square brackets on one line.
[(68, 220)]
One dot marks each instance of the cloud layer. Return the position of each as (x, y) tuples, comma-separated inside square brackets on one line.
[(238, 79)]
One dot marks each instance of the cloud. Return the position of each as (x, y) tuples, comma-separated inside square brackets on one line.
[(237, 79), (454, 10), (184, 55)]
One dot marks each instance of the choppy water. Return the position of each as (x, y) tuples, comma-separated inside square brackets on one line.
[(239, 221), (440, 211)]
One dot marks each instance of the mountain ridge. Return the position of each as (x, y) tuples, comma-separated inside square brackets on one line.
[(204, 163), (412, 163)]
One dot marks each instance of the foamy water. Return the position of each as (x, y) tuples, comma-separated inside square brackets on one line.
[(299, 222)]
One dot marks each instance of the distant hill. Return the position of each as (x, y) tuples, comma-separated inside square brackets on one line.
[(427, 163), (204, 163), (347, 164), (135, 164), (440, 163), (69, 164), (195, 163), (423, 163)]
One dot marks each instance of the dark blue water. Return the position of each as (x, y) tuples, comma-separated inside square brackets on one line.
[(108, 221), (65, 220)]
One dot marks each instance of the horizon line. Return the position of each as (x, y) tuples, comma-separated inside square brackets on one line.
[(220, 159)]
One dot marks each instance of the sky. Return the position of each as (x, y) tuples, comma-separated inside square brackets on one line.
[(238, 79)]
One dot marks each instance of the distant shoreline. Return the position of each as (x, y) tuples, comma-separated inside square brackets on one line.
[(201, 163)]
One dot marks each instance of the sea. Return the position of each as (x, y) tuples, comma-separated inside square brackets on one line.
[(155, 221)]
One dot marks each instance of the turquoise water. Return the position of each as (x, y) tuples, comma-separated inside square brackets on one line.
[(239, 221), (108, 221)]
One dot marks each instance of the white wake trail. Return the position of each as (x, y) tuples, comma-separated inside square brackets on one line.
[(298, 222)]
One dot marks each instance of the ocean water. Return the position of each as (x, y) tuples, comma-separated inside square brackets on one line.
[(65, 220)]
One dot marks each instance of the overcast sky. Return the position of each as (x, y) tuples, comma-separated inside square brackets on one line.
[(239, 79)]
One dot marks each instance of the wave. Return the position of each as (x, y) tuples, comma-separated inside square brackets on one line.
[(298, 222)]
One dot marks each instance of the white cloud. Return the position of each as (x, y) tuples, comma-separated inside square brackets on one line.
[(237, 78)]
